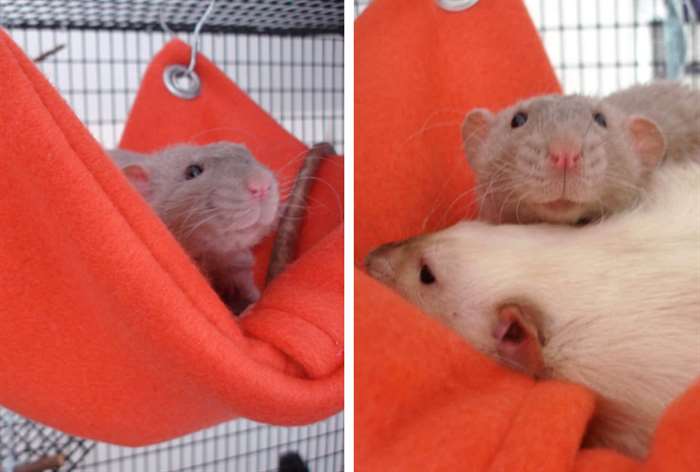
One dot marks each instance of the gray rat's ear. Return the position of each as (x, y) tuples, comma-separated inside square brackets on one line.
[(647, 140), (475, 128), (140, 178)]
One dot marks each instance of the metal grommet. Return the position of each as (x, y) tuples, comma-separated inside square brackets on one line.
[(181, 82), (456, 5)]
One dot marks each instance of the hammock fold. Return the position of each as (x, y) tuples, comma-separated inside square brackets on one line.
[(107, 329)]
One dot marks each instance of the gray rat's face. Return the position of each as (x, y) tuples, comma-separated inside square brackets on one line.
[(214, 191), (553, 158)]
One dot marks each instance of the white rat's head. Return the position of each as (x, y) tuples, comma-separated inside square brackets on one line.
[(454, 282), (209, 194), (559, 159)]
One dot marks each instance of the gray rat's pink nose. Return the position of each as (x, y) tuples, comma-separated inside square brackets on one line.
[(259, 185), (565, 161), (564, 152)]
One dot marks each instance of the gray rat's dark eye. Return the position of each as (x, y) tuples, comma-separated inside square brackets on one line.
[(426, 277), (600, 119), (518, 120), (193, 171)]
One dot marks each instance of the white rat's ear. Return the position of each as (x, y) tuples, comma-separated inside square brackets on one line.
[(475, 128), (647, 140), (518, 339), (139, 178)]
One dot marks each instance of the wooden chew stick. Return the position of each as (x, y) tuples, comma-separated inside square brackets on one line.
[(284, 248)]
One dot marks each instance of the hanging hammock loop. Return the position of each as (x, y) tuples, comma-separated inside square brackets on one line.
[(181, 81)]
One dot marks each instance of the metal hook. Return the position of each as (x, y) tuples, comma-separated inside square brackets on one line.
[(195, 36), (164, 24), (183, 81)]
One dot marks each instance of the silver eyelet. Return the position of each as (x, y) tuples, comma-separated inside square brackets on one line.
[(181, 82), (456, 5)]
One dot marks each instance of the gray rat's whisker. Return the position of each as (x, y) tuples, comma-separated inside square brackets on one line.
[(447, 210), (308, 198), (199, 225), (238, 217), (423, 130), (434, 113), (300, 157), (621, 183), (199, 213), (517, 207), (330, 187), (506, 201)]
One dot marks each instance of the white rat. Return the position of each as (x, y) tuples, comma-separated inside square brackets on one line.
[(570, 159), (614, 306), (217, 200)]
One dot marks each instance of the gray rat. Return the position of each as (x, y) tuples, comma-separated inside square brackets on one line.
[(571, 159), (217, 200), (612, 306), (674, 107)]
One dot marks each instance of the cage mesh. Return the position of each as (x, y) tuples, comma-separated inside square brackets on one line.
[(240, 445), (24, 442), (234, 446), (297, 17), (299, 80), (294, 71)]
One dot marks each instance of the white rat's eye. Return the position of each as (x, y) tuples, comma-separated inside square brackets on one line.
[(518, 120), (600, 119), (426, 276), (193, 171)]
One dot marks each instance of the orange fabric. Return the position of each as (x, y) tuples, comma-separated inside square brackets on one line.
[(425, 400), (107, 330)]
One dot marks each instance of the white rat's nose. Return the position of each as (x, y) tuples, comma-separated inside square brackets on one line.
[(259, 185), (378, 262)]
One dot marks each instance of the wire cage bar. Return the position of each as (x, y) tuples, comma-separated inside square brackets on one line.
[(288, 56), (598, 47), (299, 80), (240, 445), (301, 17)]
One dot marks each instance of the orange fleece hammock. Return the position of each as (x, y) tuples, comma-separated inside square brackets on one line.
[(425, 400), (107, 330)]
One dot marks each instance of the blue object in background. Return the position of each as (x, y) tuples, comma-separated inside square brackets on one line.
[(674, 39)]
